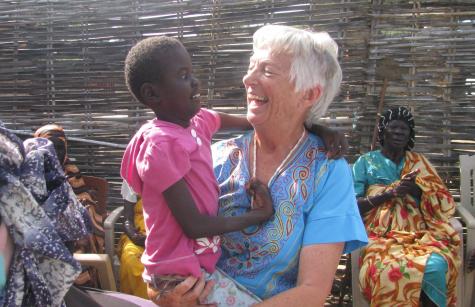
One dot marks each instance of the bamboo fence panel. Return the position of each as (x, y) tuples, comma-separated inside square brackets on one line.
[(62, 61)]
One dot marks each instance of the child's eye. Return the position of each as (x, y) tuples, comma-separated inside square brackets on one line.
[(185, 76)]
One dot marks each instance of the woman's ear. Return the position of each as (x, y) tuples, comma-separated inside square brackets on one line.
[(149, 93), (312, 95)]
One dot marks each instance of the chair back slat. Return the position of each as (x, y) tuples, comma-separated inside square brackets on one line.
[(467, 181)]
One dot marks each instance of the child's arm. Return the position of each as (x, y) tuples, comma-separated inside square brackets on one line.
[(229, 121), (198, 225), (335, 141)]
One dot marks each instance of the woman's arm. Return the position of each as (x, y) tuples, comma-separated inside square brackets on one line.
[(367, 203), (317, 267), (405, 186), (197, 225)]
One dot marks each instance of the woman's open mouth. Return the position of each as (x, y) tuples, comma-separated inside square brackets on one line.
[(256, 100)]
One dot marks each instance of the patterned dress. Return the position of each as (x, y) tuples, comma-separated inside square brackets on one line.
[(314, 203), (406, 233), (41, 213)]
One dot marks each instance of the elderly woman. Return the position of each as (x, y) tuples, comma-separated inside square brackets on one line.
[(290, 260), (93, 243), (412, 254)]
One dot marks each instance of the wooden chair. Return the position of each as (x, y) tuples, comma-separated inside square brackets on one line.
[(465, 211), (102, 262)]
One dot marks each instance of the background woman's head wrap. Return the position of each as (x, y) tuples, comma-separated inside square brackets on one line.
[(399, 113), (55, 134)]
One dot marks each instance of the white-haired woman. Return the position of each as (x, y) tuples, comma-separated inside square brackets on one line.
[(290, 260)]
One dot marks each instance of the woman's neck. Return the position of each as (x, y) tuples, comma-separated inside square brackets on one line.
[(393, 155), (272, 148), (275, 141)]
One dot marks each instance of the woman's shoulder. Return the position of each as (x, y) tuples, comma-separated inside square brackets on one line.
[(239, 142)]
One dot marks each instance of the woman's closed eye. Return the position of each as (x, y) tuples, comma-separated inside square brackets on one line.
[(268, 72)]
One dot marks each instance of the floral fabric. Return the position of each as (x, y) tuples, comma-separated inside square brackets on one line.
[(228, 293), (404, 232), (41, 213)]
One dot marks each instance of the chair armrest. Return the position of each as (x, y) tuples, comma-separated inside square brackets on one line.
[(109, 230), (102, 263), (466, 216)]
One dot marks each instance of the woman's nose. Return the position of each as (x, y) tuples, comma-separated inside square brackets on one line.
[(248, 78)]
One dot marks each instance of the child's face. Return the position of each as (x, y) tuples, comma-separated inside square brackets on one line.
[(178, 89)]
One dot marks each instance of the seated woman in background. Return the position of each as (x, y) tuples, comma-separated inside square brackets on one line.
[(94, 243), (131, 245), (412, 253), (42, 214)]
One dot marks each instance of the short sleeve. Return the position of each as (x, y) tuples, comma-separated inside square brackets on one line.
[(359, 177), (162, 164), (208, 122), (127, 193), (334, 216)]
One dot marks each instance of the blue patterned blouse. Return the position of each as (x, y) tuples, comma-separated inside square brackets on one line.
[(314, 203)]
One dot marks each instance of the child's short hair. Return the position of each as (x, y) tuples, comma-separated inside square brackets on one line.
[(142, 63)]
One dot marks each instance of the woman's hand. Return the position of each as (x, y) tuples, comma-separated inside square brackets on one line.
[(262, 201), (138, 239), (191, 292), (408, 185), (135, 236)]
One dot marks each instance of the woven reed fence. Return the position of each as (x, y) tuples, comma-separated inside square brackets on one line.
[(62, 61)]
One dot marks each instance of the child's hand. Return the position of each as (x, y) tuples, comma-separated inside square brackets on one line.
[(334, 140), (261, 200)]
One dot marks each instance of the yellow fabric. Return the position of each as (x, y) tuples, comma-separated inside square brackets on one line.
[(403, 234), (131, 268)]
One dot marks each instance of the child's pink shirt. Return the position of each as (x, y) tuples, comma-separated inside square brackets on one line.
[(160, 154)]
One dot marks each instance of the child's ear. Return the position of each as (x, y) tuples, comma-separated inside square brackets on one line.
[(149, 93)]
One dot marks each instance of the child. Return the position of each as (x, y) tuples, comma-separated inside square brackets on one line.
[(168, 163)]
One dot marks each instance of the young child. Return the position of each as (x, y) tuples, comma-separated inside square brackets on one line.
[(168, 163)]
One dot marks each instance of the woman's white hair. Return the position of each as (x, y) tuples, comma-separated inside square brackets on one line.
[(314, 61)]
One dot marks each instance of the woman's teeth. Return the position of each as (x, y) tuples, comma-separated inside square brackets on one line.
[(258, 98), (196, 96)]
